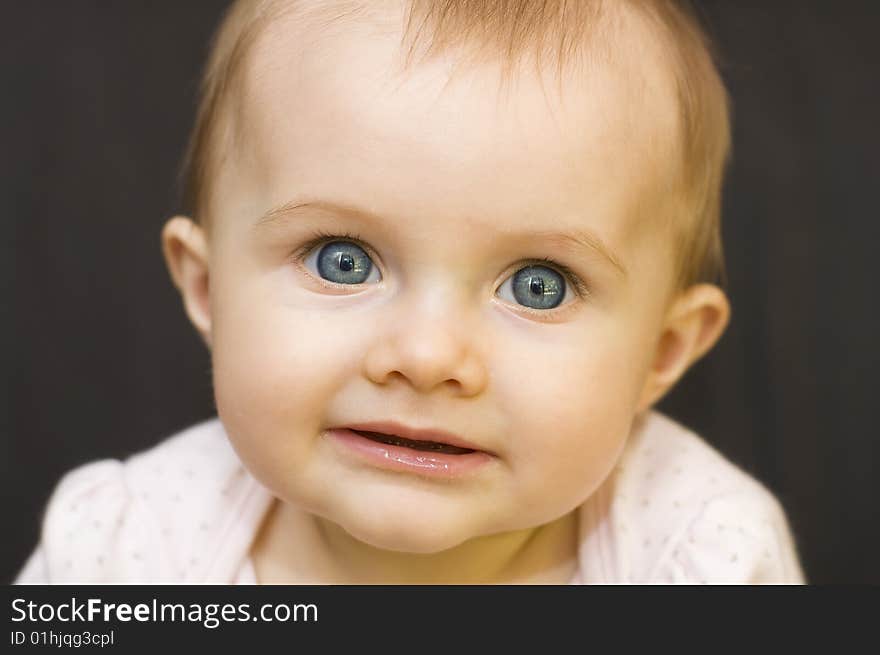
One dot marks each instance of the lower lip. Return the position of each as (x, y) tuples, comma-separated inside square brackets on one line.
[(399, 458)]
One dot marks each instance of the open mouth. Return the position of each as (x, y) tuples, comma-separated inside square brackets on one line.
[(429, 446)]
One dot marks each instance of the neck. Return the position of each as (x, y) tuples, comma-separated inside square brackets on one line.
[(295, 547)]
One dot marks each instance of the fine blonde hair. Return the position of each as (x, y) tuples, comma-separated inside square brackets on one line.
[(507, 30)]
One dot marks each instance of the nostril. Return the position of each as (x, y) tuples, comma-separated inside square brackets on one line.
[(425, 363)]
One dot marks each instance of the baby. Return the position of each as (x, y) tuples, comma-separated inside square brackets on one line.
[(446, 256)]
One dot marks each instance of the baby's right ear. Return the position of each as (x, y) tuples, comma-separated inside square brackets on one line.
[(186, 255)]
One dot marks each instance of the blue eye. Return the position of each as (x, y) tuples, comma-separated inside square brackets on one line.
[(536, 287), (343, 262)]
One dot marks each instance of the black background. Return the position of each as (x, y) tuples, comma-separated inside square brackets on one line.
[(96, 100)]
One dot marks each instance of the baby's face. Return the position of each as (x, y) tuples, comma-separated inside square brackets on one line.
[(490, 270)]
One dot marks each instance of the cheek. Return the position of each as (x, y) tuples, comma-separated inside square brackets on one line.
[(578, 378), (276, 366), (571, 404)]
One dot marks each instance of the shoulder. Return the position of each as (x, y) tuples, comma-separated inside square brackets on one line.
[(136, 520), (662, 451), (694, 516)]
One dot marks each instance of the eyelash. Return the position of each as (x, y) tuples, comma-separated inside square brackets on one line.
[(320, 237), (580, 287)]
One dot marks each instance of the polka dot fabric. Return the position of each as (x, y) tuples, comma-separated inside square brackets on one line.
[(673, 511), (183, 512)]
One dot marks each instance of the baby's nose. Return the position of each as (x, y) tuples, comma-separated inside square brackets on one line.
[(428, 345)]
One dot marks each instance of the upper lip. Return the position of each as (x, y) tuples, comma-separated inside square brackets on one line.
[(414, 434)]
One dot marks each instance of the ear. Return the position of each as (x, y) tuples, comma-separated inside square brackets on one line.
[(186, 255), (694, 322)]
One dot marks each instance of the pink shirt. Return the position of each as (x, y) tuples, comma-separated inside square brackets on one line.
[(186, 512)]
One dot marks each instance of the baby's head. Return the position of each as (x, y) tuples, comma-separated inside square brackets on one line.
[(497, 220)]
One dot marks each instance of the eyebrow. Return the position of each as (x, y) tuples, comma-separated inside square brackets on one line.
[(571, 240)]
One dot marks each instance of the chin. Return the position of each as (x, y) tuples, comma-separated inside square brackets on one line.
[(416, 536)]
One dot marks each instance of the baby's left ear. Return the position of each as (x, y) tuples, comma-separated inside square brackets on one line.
[(695, 320)]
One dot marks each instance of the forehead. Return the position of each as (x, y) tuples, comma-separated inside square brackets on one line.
[(328, 110)]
